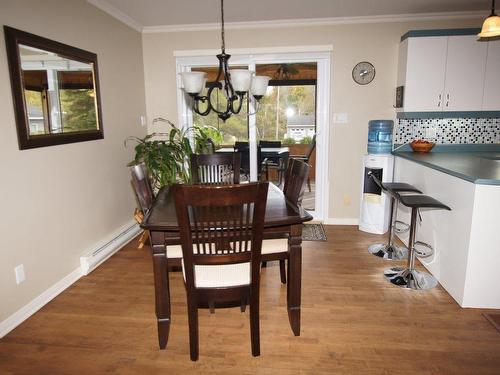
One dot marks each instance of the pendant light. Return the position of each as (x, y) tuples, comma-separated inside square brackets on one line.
[(491, 25), (234, 84)]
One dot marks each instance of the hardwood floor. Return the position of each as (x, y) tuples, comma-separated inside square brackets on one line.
[(353, 322)]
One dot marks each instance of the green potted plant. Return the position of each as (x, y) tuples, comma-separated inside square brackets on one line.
[(167, 155)]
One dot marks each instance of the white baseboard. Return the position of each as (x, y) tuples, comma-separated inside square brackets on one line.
[(341, 221), (103, 250), (36, 304), (88, 262)]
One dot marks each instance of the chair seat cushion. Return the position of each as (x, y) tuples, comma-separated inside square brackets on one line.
[(174, 251), (422, 201), (220, 276), (400, 187), (279, 245)]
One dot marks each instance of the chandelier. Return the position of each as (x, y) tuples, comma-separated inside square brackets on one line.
[(234, 84), (491, 25)]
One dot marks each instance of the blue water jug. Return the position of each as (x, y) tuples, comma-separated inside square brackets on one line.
[(380, 136)]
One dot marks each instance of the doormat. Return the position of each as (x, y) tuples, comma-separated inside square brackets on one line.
[(313, 232), (494, 319)]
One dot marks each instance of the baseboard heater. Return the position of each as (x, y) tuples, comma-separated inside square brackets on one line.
[(95, 257)]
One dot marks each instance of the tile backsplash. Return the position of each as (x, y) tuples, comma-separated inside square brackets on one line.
[(448, 130)]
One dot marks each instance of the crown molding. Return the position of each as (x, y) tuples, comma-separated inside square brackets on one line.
[(257, 50), (116, 13), (314, 22)]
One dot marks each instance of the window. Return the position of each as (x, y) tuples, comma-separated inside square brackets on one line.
[(290, 103)]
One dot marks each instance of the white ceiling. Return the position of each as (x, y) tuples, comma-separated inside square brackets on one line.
[(157, 13)]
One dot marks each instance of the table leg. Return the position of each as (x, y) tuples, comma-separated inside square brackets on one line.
[(162, 292), (294, 277)]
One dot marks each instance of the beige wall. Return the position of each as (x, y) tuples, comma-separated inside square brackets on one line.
[(377, 43), (58, 202)]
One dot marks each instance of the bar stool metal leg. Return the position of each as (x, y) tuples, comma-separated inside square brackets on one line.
[(410, 277), (389, 250)]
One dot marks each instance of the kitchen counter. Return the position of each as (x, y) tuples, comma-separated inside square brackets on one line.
[(466, 239), (476, 167)]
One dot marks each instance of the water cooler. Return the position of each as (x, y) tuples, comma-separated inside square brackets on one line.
[(375, 205)]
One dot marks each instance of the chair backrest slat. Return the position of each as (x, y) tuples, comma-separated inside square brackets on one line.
[(218, 168)]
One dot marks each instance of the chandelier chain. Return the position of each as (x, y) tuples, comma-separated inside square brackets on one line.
[(195, 83), (223, 46)]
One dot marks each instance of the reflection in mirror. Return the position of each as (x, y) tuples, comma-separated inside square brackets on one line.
[(59, 92), (55, 89)]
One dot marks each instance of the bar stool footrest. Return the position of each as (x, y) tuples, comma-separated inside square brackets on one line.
[(389, 252), (403, 227), (423, 249), (410, 279)]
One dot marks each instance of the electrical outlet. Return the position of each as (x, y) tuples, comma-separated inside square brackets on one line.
[(347, 200), (20, 275)]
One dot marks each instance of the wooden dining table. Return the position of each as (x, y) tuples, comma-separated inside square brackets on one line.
[(282, 218)]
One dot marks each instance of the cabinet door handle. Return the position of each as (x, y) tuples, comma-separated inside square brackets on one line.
[(439, 104), (447, 103)]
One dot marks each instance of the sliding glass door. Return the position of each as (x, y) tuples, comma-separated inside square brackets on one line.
[(287, 114)]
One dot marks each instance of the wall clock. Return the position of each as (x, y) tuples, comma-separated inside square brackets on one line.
[(363, 73)]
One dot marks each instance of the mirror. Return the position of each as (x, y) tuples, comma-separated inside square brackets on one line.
[(55, 90)]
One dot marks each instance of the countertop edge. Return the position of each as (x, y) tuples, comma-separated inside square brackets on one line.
[(472, 179)]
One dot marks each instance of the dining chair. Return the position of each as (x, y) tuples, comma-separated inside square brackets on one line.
[(216, 168), (277, 163), (144, 193), (221, 228), (296, 176), (142, 186), (243, 148), (270, 144), (143, 190), (305, 158)]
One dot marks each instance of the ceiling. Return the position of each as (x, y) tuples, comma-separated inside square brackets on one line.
[(161, 13)]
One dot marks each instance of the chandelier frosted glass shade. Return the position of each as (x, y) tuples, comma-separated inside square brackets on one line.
[(193, 82), (259, 86), (241, 79), (237, 83)]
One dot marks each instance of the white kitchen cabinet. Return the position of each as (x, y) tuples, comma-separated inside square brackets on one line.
[(447, 73), (464, 76), (491, 97), (424, 73)]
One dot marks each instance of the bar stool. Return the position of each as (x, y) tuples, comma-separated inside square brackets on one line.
[(389, 250), (409, 277)]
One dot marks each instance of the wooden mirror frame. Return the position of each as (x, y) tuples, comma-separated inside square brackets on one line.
[(13, 38)]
